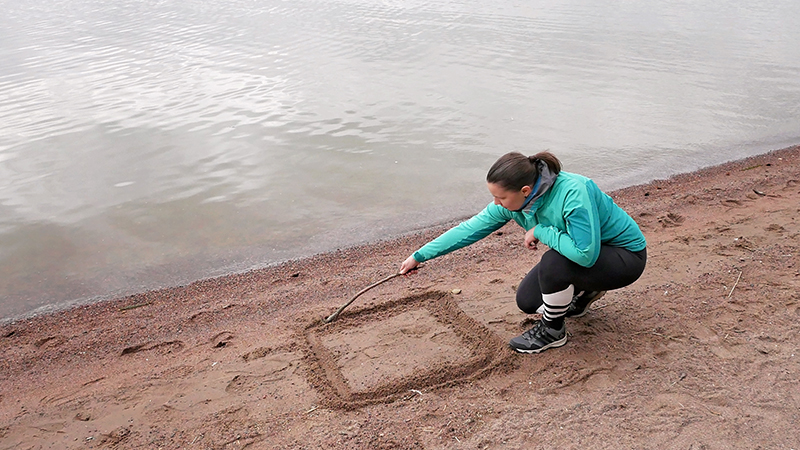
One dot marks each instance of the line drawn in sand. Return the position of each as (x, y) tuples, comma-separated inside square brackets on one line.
[(381, 353)]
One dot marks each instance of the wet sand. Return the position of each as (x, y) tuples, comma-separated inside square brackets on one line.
[(702, 352)]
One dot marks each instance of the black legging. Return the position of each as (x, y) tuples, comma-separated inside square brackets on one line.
[(615, 268)]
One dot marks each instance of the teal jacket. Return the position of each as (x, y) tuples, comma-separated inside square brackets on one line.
[(574, 217)]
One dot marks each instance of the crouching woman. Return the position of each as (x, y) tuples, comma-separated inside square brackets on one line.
[(594, 245)]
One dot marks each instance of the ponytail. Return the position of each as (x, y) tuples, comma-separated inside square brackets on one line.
[(550, 159), (514, 170)]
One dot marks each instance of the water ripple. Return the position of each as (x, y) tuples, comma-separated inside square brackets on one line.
[(275, 120)]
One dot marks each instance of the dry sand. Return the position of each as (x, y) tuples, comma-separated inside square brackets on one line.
[(702, 352)]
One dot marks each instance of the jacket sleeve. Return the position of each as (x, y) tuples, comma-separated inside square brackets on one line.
[(492, 218), (581, 241)]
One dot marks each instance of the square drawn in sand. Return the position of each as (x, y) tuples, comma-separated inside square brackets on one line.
[(380, 353)]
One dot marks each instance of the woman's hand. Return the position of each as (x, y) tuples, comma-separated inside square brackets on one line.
[(530, 240), (408, 265)]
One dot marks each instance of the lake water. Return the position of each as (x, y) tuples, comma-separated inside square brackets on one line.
[(151, 143)]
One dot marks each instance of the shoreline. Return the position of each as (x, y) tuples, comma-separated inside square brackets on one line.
[(241, 360), (435, 229)]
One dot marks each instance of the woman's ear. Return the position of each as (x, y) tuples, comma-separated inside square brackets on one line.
[(526, 191)]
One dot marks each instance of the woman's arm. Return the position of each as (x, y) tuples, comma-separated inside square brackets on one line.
[(492, 218)]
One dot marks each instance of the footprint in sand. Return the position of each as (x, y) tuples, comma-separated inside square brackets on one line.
[(671, 220), (583, 375), (733, 203), (50, 342), (262, 352), (161, 347), (209, 316), (221, 340), (715, 344), (600, 380), (694, 198), (50, 427), (774, 227), (265, 371), (257, 353)]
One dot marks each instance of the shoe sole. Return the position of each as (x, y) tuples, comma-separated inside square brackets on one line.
[(553, 344), (586, 310)]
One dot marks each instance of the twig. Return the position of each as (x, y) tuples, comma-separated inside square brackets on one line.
[(734, 284), (333, 316), (138, 305), (680, 378), (711, 410), (312, 410), (413, 394)]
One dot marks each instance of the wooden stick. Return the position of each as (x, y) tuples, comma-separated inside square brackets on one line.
[(129, 307), (333, 316)]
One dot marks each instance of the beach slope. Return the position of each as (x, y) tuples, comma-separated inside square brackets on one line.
[(702, 352)]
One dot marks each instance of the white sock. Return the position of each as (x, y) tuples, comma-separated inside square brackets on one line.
[(556, 304)]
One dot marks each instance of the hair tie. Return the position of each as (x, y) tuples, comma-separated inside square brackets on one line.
[(533, 160)]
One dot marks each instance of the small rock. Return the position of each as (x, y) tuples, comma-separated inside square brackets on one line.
[(456, 291)]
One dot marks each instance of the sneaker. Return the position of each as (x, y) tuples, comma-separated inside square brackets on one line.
[(539, 338), (580, 303)]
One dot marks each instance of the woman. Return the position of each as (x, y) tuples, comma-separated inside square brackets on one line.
[(595, 246)]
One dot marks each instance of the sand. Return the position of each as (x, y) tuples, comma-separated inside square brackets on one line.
[(703, 352)]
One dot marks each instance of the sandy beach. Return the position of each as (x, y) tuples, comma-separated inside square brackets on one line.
[(703, 352)]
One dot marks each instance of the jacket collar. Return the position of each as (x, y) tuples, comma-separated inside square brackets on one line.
[(543, 184)]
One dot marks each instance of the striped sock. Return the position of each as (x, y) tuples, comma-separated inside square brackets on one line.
[(555, 306)]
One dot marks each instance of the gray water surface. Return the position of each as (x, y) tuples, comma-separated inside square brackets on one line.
[(150, 143)]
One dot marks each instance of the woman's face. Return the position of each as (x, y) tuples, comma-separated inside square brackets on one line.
[(511, 200)]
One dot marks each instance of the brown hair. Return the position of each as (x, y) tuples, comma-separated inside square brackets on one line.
[(514, 170)]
